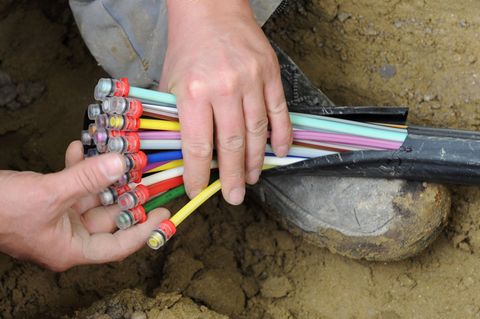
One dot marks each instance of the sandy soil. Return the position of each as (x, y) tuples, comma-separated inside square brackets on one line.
[(237, 261)]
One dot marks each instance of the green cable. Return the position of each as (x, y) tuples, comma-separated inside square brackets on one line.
[(165, 198), (172, 194)]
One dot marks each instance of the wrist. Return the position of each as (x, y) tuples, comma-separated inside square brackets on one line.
[(191, 13)]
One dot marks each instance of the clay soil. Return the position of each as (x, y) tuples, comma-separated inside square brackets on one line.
[(236, 261)]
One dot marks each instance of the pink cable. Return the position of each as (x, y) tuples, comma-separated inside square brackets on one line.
[(300, 135), (156, 135), (345, 139)]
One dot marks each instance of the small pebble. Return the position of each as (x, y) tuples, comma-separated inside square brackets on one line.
[(344, 16), (387, 71), (276, 287), (8, 93), (138, 315), (29, 91), (4, 78)]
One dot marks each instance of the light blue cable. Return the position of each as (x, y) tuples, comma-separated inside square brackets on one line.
[(335, 119), (326, 123), (152, 96)]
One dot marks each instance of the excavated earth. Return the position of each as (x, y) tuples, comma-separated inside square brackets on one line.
[(236, 261)]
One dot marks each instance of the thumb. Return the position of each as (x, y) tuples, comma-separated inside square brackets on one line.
[(88, 177)]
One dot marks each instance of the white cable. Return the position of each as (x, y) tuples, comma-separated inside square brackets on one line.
[(160, 144), (169, 173), (281, 161), (301, 151), (154, 107)]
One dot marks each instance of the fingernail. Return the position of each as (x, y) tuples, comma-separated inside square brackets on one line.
[(253, 176), (113, 166), (282, 150), (236, 195), (194, 193)]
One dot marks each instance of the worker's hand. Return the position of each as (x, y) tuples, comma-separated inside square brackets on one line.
[(55, 220), (226, 77)]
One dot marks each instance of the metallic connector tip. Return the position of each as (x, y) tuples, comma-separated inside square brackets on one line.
[(116, 144), (106, 197), (156, 240), (103, 89), (93, 111), (124, 220), (86, 138)]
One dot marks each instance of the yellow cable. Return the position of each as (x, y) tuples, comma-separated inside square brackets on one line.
[(164, 167), (198, 200), (159, 125)]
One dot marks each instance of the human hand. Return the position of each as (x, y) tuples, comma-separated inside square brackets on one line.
[(55, 219), (226, 78)]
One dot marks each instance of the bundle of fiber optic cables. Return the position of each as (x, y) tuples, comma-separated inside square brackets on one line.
[(143, 125)]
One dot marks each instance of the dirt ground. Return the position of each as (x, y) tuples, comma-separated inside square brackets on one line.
[(238, 262)]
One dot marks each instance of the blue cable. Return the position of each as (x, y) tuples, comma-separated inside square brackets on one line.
[(164, 156)]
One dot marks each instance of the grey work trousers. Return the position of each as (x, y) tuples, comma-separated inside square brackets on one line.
[(128, 38)]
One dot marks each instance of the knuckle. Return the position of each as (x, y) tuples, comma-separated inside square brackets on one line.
[(272, 59), (196, 87), (202, 150), (235, 143), (255, 68), (88, 180), (258, 128), (255, 162), (228, 84), (278, 108), (232, 175)]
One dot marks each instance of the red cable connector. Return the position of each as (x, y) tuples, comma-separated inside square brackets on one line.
[(127, 144), (128, 218), (110, 195), (130, 177), (141, 194), (136, 161), (123, 106), (162, 234)]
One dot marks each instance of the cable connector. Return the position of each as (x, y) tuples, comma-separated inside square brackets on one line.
[(124, 144), (102, 148), (111, 87), (136, 161), (92, 128), (100, 136), (110, 195), (123, 123), (122, 106), (86, 138), (130, 177), (128, 218), (134, 198), (162, 234), (93, 111)]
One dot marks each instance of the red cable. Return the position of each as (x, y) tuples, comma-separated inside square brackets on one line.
[(164, 186)]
